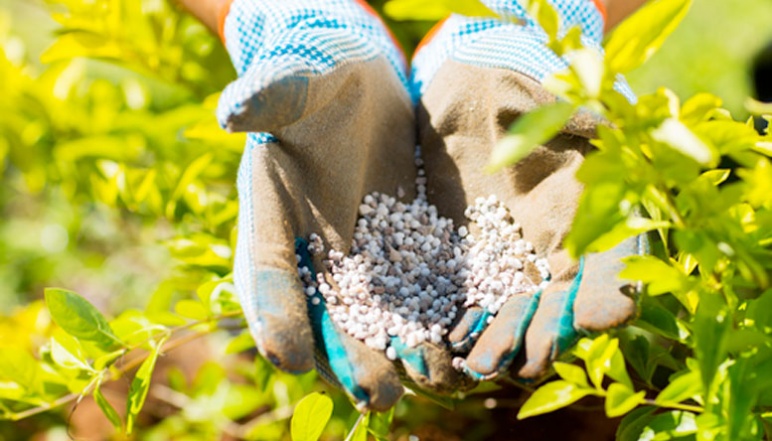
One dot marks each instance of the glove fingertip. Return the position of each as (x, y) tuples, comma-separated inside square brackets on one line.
[(468, 329)]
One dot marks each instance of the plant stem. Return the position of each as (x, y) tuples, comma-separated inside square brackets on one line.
[(130, 365), (356, 425), (677, 406)]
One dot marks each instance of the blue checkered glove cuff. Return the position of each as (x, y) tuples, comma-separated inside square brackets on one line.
[(253, 27), (496, 43)]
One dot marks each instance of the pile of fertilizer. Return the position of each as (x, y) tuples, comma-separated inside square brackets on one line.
[(410, 273)]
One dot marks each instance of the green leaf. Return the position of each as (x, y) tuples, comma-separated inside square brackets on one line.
[(571, 373), (429, 10), (433, 10), (637, 38), (470, 8), (546, 15), (79, 318), (529, 132), (191, 309), (587, 65), (618, 371), (598, 213), (678, 136), (379, 424), (191, 173), (310, 417), (632, 424), (140, 385), (631, 226), (670, 425), (681, 388), (759, 181), (599, 358), (711, 325), (359, 431), (107, 408), (700, 107), (18, 365), (63, 357), (658, 275), (552, 396), (757, 107), (620, 399), (240, 343), (760, 311), (80, 44)]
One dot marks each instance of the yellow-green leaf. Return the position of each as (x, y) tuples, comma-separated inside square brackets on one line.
[(107, 408), (79, 318), (470, 8), (528, 132), (620, 399), (429, 10), (552, 396), (675, 134), (636, 39), (140, 385), (571, 373), (681, 388), (310, 417)]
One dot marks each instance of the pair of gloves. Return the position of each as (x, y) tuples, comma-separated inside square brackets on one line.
[(332, 113)]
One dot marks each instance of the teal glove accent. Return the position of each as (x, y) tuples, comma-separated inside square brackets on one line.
[(332, 361)]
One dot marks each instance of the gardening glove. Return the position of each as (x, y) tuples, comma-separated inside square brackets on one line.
[(322, 87), (474, 78)]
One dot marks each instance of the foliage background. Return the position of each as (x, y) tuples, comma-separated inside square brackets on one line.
[(81, 140)]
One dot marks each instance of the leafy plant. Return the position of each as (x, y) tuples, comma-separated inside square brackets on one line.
[(699, 180)]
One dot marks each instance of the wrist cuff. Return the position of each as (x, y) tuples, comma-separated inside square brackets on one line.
[(222, 12), (601, 6)]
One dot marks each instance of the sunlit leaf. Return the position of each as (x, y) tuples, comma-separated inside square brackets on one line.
[(528, 132), (620, 399), (633, 423), (675, 134), (107, 409), (66, 359), (379, 424), (711, 325), (191, 309), (79, 318), (80, 44), (637, 38), (546, 15), (359, 431), (599, 356), (310, 417), (658, 275), (670, 425), (18, 365), (140, 386), (552, 396), (571, 373), (681, 388), (433, 10)]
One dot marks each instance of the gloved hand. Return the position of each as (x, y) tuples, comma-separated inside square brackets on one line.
[(474, 78), (324, 85)]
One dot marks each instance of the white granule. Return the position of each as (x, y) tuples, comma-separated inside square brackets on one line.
[(411, 273)]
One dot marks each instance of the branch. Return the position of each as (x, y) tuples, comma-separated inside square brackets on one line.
[(126, 368)]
